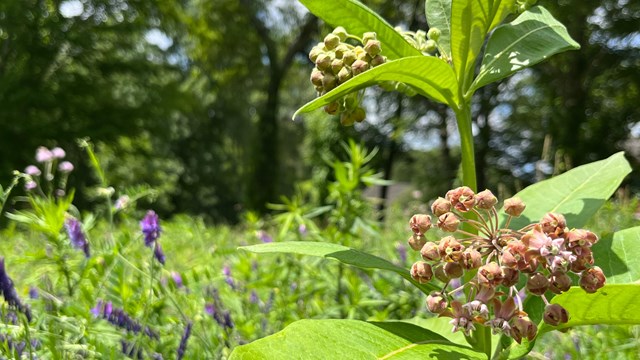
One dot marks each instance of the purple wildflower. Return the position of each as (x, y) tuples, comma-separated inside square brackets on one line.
[(264, 237), (226, 270), (122, 202), (74, 230), (65, 167), (30, 185), (32, 170), (131, 350), (183, 341), (402, 253), (159, 254), (120, 318), (302, 230), (33, 292), (43, 155), (9, 292), (215, 310), (177, 279), (150, 228), (58, 153), (253, 298)]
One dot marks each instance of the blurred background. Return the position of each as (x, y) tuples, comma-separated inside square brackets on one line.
[(193, 99)]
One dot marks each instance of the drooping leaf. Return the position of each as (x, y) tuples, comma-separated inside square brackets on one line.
[(619, 256), (430, 76), (471, 21), (529, 39), (438, 14), (341, 253), (577, 194), (357, 19), (612, 304), (353, 339)]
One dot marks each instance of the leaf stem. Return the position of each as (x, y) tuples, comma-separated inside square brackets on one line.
[(463, 118)]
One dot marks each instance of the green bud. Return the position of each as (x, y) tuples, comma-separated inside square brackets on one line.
[(359, 66), (341, 50), (421, 35), (359, 114), (388, 85), (346, 119), (332, 108), (378, 60), (331, 41), (431, 46), (373, 47), (329, 81), (336, 65), (316, 77), (344, 74), (314, 53), (405, 89), (341, 32), (323, 62), (349, 57), (320, 90), (434, 34), (351, 102), (368, 36)]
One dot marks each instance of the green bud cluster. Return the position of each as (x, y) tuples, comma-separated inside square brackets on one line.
[(523, 5), (427, 43)]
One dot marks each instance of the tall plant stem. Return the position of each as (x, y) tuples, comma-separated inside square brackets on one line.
[(463, 118)]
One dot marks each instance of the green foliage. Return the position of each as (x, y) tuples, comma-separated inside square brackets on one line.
[(438, 14), (618, 256)]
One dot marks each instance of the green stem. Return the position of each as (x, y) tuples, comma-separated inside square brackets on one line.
[(463, 117)]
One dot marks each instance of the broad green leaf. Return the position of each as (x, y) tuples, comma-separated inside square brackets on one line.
[(619, 256), (438, 14), (612, 304), (529, 39), (471, 21), (577, 194), (357, 19), (430, 76), (341, 253), (354, 340)]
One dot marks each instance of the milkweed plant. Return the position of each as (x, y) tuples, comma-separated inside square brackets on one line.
[(502, 273)]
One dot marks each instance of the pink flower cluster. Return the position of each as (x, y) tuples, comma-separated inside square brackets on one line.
[(497, 257)]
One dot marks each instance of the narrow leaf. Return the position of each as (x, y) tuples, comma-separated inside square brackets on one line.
[(529, 39), (341, 253), (430, 76), (619, 256), (353, 339), (438, 14), (357, 19), (577, 194)]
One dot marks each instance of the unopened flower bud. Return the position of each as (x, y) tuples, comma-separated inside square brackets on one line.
[(559, 282), (430, 252), (448, 222), (490, 274), (359, 114), (58, 153), (30, 185), (461, 198), (344, 74), (416, 241), (537, 284), (32, 170), (450, 249), (43, 154), (555, 315), (430, 46), (421, 272), (420, 223), (329, 81), (332, 108), (314, 53), (582, 261), (336, 66), (553, 223), (346, 119), (323, 61), (331, 41), (377, 60), (316, 77), (65, 167), (440, 206), (434, 34), (523, 327), (341, 50), (580, 237), (440, 274), (368, 36), (486, 200), (436, 302), (453, 270), (372, 47), (341, 32), (359, 66), (592, 279), (514, 206), (510, 276), (471, 259), (348, 57)]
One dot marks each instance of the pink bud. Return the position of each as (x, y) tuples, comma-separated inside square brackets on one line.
[(559, 282), (440, 206), (421, 272), (553, 223), (448, 222), (537, 284), (453, 270), (486, 200), (420, 223), (462, 198), (555, 315), (510, 276), (416, 242), (430, 252), (514, 206), (471, 259), (490, 274), (592, 279), (523, 327), (436, 302), (450, 249)]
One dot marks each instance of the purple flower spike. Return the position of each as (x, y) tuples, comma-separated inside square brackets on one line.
[(65, 167), (150, 228), (32, 170), (177, 279), (43, 155), (159, 254), (183, 341), (78, 240), (9, 291), (58, 153), (264, 237)]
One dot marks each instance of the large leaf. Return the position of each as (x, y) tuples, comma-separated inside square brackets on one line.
[(341, 253), (529, 39), (577, 194), (613, 304), (358, 19), (353, 339), (439, 16), (619, 256), (471, 21), (430, 77)]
